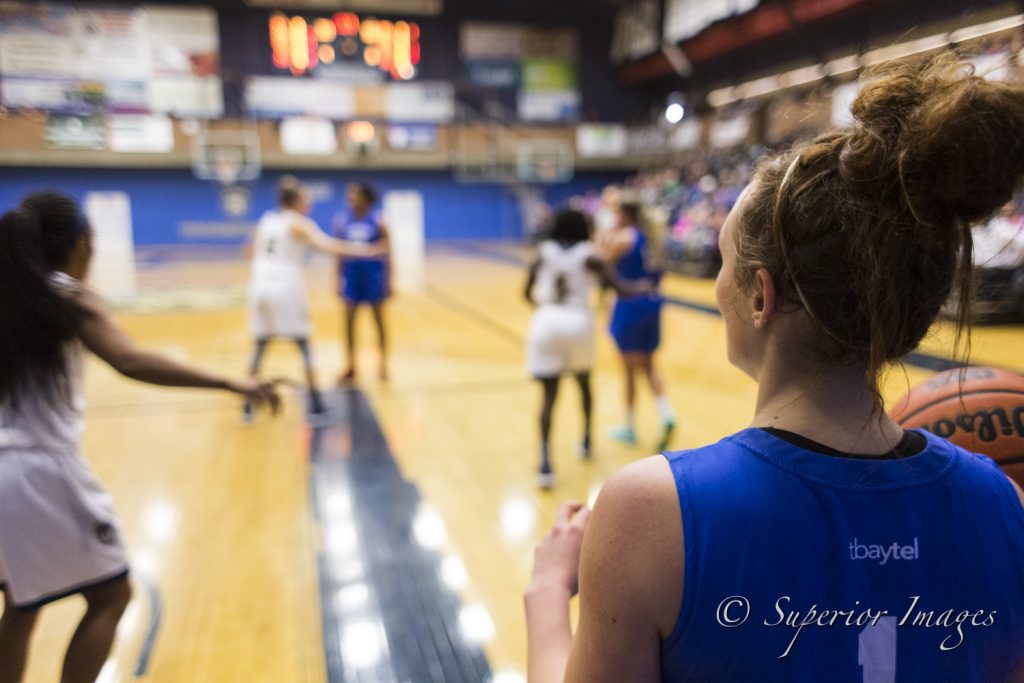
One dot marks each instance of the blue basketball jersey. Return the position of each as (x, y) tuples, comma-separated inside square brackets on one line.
[(635, 265), (635, 323), (801, 566), (365, 230), (363, 278)]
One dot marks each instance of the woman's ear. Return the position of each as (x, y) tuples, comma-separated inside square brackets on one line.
[(763, 300)]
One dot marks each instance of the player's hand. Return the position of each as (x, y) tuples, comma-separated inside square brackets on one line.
[(556, 560), (260, 393), (645, 287)]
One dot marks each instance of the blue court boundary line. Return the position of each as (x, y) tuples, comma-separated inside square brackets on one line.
[(916, 359), (418, 615), (155, 618)]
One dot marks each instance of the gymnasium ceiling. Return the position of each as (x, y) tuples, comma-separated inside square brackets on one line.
[(857, 25)]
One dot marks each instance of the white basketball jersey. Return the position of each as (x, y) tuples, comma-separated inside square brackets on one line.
[(277, 252), (571, 266), (36, 423)]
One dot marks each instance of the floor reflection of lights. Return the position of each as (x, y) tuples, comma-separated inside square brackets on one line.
[(353, 597), (342, 539), (160, 521), (518, 519), (337, 505), (428, 528), (508, 677), (363, 644), (454, 573), (109, 673), (476, 624)]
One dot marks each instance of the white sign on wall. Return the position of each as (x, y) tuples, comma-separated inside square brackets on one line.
[(424, 102), (112, 271), (403, 213), (308, 135), (601, 140), (141, 133), (274, 96), (994, 66), (842, 101), (730, 132), (686, 135), (686, 18), (146, 59)]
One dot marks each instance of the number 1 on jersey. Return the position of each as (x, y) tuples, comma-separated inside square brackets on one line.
[(876, 651)]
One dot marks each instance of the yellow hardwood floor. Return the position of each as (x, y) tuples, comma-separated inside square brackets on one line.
[(217, 515)]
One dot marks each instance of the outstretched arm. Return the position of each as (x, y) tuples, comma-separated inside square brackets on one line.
[(615, 244), (609, 279), (531, 280), (314, 237), (385, 243), (103, 336)]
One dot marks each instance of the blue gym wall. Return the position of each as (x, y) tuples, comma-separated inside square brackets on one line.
[(162, 200)]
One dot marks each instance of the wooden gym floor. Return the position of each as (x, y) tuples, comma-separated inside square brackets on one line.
[(230, 542)]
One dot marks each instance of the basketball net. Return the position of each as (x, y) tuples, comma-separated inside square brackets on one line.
[(226, 166)]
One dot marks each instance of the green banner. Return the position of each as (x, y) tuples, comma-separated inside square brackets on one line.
[(76, 132), (549, 74)]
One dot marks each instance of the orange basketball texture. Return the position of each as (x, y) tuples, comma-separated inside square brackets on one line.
[(984, 414)]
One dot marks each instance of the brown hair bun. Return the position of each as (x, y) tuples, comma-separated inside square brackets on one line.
[(932, 134)]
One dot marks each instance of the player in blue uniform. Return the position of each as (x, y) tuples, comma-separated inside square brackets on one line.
[(363, 280), (636, 320), (824, 542)]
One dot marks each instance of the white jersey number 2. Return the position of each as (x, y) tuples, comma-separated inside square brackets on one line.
[(876, 651)]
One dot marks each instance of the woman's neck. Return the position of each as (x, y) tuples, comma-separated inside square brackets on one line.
[(833, 406)]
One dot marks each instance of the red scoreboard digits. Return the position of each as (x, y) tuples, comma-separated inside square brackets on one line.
[(299, 45)]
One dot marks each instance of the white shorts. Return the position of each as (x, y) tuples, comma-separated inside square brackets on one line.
[(560, 340), (58, 531), (278, 308)]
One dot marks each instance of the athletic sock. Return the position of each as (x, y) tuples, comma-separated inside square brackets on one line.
[(316, 404), (665, 408)]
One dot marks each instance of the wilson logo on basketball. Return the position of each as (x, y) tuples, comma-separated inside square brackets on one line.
[(979, 409), (986, 424)]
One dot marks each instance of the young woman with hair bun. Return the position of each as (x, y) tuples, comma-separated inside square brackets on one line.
[(823, 542)]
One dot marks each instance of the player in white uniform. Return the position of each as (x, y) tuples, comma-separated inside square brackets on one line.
[(58, 533), (278, 304), (561, 335)]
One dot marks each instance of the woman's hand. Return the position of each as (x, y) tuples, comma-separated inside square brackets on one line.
[(260, 393), (557, 558)]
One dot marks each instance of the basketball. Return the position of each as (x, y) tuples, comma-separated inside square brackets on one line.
[(984, 414)]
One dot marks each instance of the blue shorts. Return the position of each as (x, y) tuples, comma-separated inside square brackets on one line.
[(364, 281), (636, 324)]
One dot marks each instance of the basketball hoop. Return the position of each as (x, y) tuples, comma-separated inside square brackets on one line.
[(544, 161), (548, 170), (226, 166), (226, 156)]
